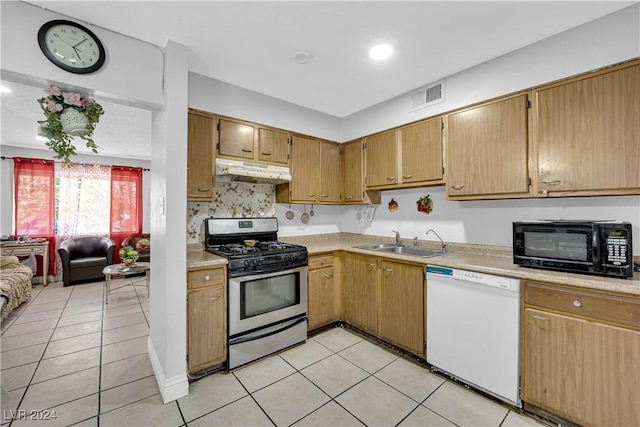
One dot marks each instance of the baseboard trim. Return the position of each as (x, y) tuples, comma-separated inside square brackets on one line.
[(170, 388)]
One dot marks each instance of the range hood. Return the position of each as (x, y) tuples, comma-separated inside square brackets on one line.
[(236, 170)]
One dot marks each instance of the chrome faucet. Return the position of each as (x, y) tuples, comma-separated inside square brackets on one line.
[(397, 237), (444, 245), (415, 242)]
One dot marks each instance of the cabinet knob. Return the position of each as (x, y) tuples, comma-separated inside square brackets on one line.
[(370, 266), (348, 197), (204, 189), (311, 195), (391, 178), (207, 278), (457, 187), (212, 299), (324, 196), (388, 270), (321, 262), (577, 303), (266, 154), (551, 182), (328, 276), (407, 176), (244, 150)]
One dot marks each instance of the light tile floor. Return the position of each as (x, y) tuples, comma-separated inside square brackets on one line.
[(67, 353)]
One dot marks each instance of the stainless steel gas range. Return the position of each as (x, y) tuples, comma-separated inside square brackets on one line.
[(267, 288)]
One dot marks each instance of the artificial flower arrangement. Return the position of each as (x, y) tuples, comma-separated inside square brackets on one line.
[(128, 255), (57, 103)]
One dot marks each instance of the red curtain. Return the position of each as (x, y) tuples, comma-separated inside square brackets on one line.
[(34, 181), (126, 204)]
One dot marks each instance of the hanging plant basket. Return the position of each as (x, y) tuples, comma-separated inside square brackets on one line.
[(74, 122), (68, 115)]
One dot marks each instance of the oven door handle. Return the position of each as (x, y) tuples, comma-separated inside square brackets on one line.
[(250, 337)]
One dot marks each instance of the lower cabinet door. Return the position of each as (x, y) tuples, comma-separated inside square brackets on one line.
[(583, 371), (321, 310), (206, 328), (401, 317)]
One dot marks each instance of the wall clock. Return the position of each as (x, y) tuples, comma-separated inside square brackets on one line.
[(71, 46)]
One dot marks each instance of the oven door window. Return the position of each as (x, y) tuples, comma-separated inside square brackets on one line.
[(560, 245), (269, 294)]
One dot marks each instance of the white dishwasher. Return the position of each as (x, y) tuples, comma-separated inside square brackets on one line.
[(473, 327)]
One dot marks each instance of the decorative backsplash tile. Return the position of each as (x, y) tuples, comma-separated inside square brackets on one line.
[(233, 199)]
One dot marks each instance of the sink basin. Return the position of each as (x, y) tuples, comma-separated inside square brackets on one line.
[(406, 250), (401, 250), (377, 246)]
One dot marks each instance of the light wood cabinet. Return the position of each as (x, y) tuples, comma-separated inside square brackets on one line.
[(421, 152), (315, 173), (401, 306), (274, 146), (354, 189), (487, 150), (249, 141), (580, 353), (206, 319), (200, 156), (587, 133), (323, 291), (381, 160), (360, 292)]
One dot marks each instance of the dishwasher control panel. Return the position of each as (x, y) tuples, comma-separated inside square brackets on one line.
[(475, 277)]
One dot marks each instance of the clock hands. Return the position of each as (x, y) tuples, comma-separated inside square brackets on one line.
[(78, 51)]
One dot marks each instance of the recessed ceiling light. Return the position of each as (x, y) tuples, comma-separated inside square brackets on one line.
[(301, 56), (4, 89), (380, 52)]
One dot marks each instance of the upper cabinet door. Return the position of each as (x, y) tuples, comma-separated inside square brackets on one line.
[(274, 146), (305, 170), (588, 134), (236, 139), (330, 174), (200, 156), (381, 159), (353, 173), (421, 146), (487, 150)]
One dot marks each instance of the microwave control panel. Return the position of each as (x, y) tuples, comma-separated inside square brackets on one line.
[(617, 247)]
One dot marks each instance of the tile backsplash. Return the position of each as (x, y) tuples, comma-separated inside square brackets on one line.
[(233, 199)]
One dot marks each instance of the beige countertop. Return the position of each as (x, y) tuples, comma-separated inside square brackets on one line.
[(496, 260), (486, 259)]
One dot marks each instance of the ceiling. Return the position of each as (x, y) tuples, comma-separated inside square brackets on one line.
[(249, 44)]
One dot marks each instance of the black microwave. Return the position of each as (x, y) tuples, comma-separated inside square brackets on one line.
[(590, 247)]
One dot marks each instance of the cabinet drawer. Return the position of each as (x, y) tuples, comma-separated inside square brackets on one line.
[(608, 308), (320, 261), (21, 251), (200, 278)]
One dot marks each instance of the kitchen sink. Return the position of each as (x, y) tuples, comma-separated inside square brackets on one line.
[(400, 250), (378, 246), (406, 250)]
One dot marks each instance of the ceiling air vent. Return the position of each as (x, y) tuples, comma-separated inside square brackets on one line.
[(427, 96)]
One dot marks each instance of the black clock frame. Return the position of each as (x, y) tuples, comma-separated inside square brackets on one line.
[(42, 42)]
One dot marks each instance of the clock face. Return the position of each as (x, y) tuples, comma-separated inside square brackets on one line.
[(71, 46)]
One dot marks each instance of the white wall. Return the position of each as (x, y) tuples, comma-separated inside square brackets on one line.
[(605, 41), (24, 62), (6, 180), (486, 222), (215, 96), (168, 323)]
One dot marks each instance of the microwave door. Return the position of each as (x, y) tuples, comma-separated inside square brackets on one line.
[(569, 245)]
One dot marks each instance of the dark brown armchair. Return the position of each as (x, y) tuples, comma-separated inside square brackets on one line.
[(84, 258)]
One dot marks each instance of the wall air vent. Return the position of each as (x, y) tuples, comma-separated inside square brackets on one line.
[(426, 96)]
